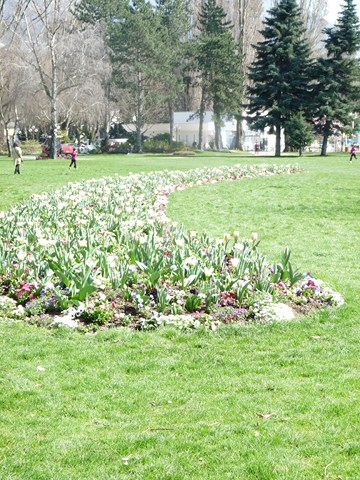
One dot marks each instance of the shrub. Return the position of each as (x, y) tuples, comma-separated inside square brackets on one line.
[(31, 147), (163, 146), (116, 148)]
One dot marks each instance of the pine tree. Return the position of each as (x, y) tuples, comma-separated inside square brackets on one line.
[(137, 42), (282, 71), (337, 91), (218, 61), (300, 133), (175, 20)]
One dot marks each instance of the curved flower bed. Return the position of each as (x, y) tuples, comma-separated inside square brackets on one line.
[(103, 253)]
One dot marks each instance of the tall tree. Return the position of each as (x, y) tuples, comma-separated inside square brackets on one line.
[(175, 20), (282, 71), (337, 92), (50, 28), (219, 63), (15, 87), (137, 43)]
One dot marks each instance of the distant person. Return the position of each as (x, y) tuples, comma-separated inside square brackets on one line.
[(17, 155), (353, 153), (73, 158)]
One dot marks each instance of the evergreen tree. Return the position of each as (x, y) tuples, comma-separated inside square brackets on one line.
[(147, 42), (218, 61), (175, 20), (299, 132), (93, 11), (282, 71), (137, 43), (337, 91)]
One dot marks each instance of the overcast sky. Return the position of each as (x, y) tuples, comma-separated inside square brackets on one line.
[(334, 7)]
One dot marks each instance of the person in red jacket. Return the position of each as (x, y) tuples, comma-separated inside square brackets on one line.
[(353, 153), (73, 158)]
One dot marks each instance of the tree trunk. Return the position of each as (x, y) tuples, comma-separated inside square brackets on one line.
[(217, 137), (201, 118), (53, 99), (139, 113), (278, 141), (171, 119), (217, 125), (324, 145), (325, 138), (287, 148), (8, 143), (239, 134)]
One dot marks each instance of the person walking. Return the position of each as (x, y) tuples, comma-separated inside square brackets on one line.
[(73, 158), (353, 153), (17, 155)]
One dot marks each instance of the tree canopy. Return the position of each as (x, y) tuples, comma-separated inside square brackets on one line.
[(219, 63), (337, 91), (281, 74)]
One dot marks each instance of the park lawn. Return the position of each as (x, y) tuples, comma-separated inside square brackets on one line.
[(269, 401)]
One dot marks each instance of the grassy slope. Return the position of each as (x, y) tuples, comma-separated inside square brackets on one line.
[(189, 406)]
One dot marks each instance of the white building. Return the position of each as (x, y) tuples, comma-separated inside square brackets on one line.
[(186, 130)]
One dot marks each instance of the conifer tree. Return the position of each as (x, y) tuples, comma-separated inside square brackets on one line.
[(136, 40), (300, 133), (337, 91), (282, 71), (219, 62), (175, 21)]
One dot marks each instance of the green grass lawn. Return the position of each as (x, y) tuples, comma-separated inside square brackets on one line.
[(271, 401)]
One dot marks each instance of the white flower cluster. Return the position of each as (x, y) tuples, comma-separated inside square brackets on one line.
[(69, 317), (265, 310), (10, 309), (183, 322)]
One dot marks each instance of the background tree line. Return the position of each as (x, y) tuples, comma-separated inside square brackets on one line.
[(75, 65)]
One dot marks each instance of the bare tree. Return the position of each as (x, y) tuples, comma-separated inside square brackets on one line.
[(59, 50), (314, 12), (45, 24), (88, 102), (14, 88)]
